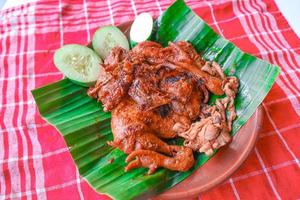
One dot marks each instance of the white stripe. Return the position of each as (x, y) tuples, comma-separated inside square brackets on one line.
[(42, 17), (45, 21), (26, 52), (289, 62), (115, 4), (133, 7), (274, 42), (241, 15), (8, 117), (268, 43), (54, 29), (7, 105), (234, 38), (158, 6), (30, 76), (235, 192), (95, 24), (42, 8), (288, 92), (214, 19), (98, 5), (13, 144), (43, 11), (291, 71), (28, 126), (2, 150), (268, 169), (51, 23), (79, 185), (2, 178), (236, 9), (203, 3), (39, 191), (37, 166), (71, 28), (261, 34), (275, 50), (23, 63), (294, 101), (111, 15), (60, 23), (86, 21), (281, 100), (35, 157), (280, 36), (280, 136), (262, 45), (294, 126), (14, 11), (61, 43), (267, 173)]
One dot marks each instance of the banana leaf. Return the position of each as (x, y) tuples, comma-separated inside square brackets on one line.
[(86, 128)]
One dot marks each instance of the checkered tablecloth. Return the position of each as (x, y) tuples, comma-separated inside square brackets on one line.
[(34, 160)]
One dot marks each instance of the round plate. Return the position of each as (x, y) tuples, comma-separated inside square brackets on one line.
[(222, 165)]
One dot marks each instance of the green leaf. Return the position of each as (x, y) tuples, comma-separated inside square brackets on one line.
[(86, 128)]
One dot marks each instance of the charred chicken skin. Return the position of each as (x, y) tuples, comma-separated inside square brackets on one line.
[(157, 93)]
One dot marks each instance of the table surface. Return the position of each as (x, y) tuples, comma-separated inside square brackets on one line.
[(289, 8)]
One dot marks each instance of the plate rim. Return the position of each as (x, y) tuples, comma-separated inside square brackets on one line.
[(257, 116)]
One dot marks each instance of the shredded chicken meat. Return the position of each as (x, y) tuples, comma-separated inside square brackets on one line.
[(156, 93)]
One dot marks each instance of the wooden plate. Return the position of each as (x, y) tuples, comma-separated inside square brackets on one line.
[(219, 167)]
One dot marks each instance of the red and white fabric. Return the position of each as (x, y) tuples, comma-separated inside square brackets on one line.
[(34, 160)]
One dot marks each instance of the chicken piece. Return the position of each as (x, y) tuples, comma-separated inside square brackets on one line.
[(156, 93), (187, 59), (181, 56), (138, 134), (213, 69), (145, 89), (182, 159), (178, 85), (137, 131), (184, 52), (114, 83), (212, 131), (148, 49)]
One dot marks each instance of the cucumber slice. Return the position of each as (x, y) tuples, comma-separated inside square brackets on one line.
[(107, 37), (79, 63), (141, 29)]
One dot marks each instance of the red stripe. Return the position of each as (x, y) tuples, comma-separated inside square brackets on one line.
[(265, 44), (286, 83), (293, 57), (6, 172), (19, 95), (275, 38), (25, 132)]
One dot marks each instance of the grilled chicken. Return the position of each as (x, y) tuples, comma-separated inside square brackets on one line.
[(157, 93)]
